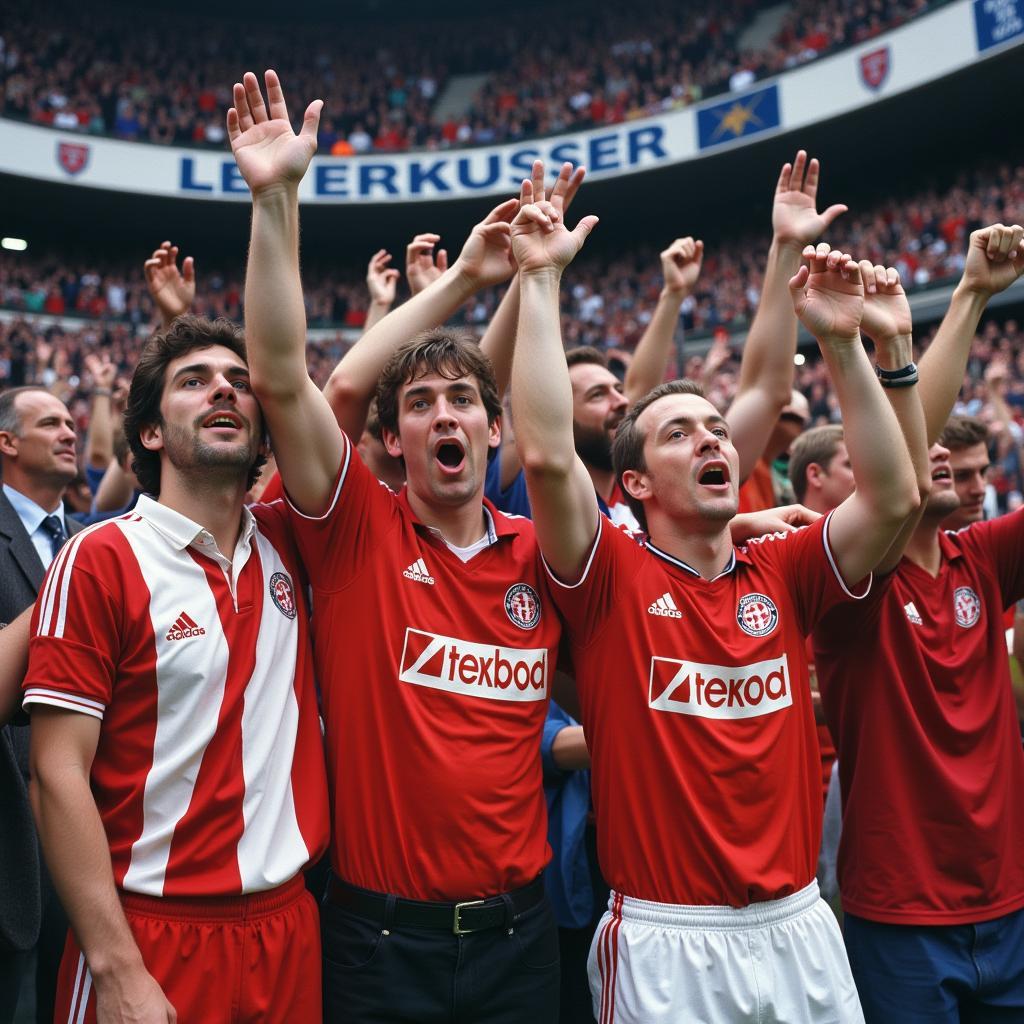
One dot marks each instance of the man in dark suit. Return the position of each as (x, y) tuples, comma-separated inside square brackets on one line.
[(38, 461)]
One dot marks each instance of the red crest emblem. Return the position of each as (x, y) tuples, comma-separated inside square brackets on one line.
[(522, 605), (281, 592), (73, 156), (874, 68)]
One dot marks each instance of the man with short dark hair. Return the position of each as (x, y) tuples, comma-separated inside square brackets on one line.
[(177, 773), (917, 693), (689, 660), (434, 691), (966, 437)]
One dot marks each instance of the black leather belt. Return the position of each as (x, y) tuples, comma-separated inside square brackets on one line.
[(462, 918)]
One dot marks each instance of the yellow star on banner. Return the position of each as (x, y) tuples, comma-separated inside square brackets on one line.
[(736, 118)]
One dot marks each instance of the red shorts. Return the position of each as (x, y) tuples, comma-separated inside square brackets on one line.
[(234, 960)]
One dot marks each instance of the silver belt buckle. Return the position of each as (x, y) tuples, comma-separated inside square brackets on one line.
[(457, 922)]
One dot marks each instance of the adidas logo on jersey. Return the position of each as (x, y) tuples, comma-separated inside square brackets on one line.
[(665, 606), (419, 572), (183, 628), (912, 613)]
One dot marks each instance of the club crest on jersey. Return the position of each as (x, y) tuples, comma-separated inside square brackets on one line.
[(522, 605), (757, 614), (966, 607), (282, 593)]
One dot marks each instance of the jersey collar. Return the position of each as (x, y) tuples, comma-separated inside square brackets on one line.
[(736, 556), (180, 531), (498, 524)]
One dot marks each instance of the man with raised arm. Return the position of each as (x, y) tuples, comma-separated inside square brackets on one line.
[(689, 659), (435, 638), (177, 773), (924, 721)]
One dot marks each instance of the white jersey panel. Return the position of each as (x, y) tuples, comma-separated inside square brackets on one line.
[(271, 849), (190, 682)]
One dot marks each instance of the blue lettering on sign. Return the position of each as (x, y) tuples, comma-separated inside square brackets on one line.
[(383, 175), (466, 180), (522, 160), (331, 179), (188, 177), (604, 153), (997, 21), (422, 174), (646, 140), (231, 179), (566, 152)]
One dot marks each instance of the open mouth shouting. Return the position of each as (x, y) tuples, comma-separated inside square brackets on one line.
[(222, 419), (714, 475), (942, 474), (450, 455)]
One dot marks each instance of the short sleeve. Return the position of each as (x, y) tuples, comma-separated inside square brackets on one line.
[(336, 545), (806, 563), (588, 604), (999, 543), (75, 636)]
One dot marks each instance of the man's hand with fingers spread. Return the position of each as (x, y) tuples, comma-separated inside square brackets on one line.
[(486, 257), (173, 290), (886, 309), (423, 265), (540, 239), (828, 294), (995, 259), (268, 152), (795, 219), (102, 371)]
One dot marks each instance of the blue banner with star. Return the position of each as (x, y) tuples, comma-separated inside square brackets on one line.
[(738, 117)]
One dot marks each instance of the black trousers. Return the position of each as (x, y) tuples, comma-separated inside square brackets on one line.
[(506, 975)]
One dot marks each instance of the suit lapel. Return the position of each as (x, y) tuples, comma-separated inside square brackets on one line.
[(12, 530)]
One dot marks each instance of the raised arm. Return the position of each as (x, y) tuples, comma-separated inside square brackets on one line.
[(680, 268), (995, 259), (78, 856), (562, 498), (272, 159), (485, 260), (99, 445), (173, 290), (887, 322), (828, 297), (382, 283), (766, 369)]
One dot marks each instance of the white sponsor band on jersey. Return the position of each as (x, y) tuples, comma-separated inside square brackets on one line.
[(720, 691), (476, 670)]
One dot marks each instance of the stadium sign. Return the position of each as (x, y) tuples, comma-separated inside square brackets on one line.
[(931, 47)]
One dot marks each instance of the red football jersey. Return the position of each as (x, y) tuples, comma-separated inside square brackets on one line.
[(917, 691), (209, 774), (697, 710), (434, 676)]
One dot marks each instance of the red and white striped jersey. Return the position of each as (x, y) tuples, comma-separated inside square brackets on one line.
[(209, 772)]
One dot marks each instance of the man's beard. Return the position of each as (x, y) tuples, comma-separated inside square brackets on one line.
[(593, 446), (940, 504), (187, 452)]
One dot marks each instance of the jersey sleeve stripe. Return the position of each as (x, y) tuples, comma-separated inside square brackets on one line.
[(56, 568), (835, 568), (337, 490), (586, 568), (58, 580), (68, 701)]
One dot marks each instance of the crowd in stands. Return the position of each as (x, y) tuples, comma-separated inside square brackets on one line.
[(924, 236), (102, 73)]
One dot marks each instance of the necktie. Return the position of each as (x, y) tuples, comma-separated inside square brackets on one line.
[(53, 527)]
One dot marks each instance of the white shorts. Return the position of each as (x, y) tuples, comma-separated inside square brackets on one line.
[(781, 961)]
